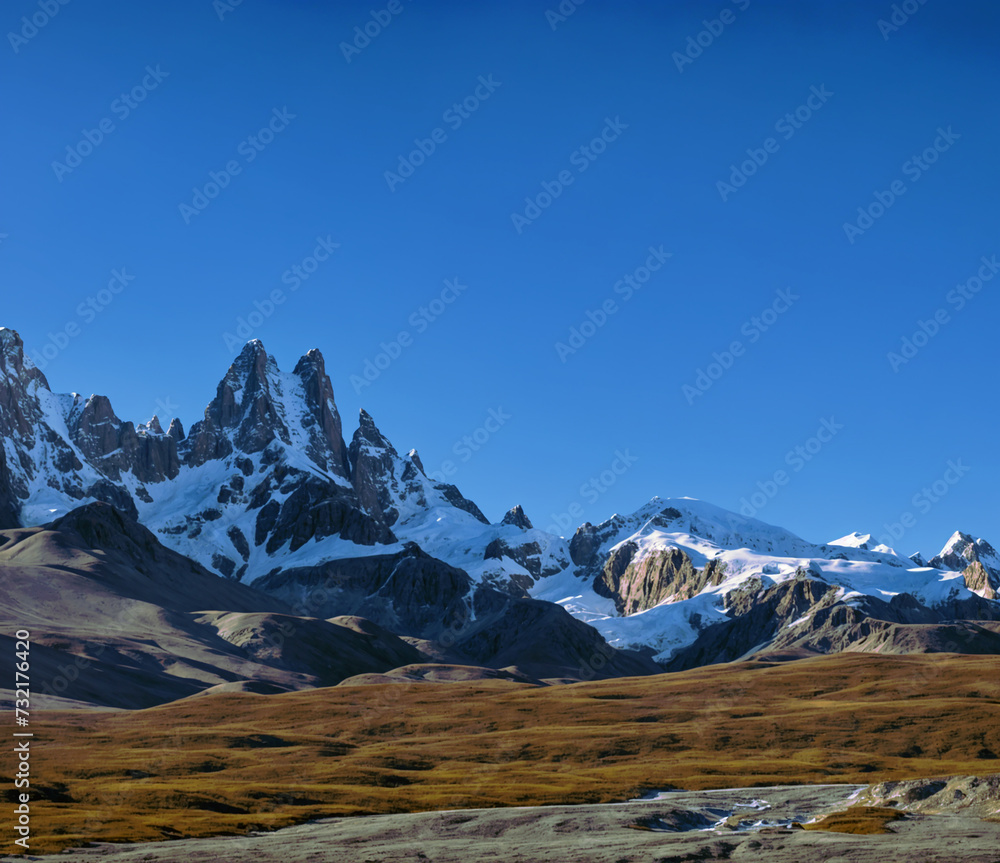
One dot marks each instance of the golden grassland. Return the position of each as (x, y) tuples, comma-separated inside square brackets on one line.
[(858, 819), (232, 763)]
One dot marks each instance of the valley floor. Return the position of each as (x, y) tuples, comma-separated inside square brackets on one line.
[(604, 833), (246, 765)]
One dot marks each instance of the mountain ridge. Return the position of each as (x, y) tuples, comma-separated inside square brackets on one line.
[(266, 489)]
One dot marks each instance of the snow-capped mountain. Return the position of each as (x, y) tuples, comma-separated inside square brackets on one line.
[(976, 559), (265, 477), (863, 541), (265, 489), (661, 576)]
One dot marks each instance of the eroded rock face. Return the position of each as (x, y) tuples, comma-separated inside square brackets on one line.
[(315, 510), (116, 447), (639, 584), (806, 615), (385, 482), (324, 430), (37, 440), (963, 552), (584, 545), (372, 459), (758, 615), (979, 580)]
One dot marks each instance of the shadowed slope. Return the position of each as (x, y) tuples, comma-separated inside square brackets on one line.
[(119, 620)]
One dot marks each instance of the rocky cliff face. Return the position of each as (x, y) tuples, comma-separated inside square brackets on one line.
[(43, 469), (637, 583), (976, 559), (807, 615), (981, 581), (115, 447)]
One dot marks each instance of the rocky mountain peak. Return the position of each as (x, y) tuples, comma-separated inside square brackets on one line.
[(374, 464), (244, 400), (256, 405), (368, 433), (11, 342), (414, 456), (515, 516), (151, 427), (18, 375), (321, 420), (176, 430), (962, 549)]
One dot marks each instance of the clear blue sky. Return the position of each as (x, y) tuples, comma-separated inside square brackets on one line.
[(672, 137)]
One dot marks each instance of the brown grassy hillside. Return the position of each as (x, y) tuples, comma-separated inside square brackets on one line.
[(229, 763)]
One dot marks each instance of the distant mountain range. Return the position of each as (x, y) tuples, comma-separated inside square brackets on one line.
[(262, 509)]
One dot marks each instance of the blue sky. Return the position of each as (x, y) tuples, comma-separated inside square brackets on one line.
[(631, 138)]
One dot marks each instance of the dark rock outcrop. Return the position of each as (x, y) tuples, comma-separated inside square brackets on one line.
[(526, 554), (543, 640), (321, 423), (515, 516), (372, 460), (384, 481), (115, 447), (758, 615), (410, 592), (806, 615)]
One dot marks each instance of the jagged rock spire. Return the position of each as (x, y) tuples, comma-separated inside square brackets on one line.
[(515, 516)]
